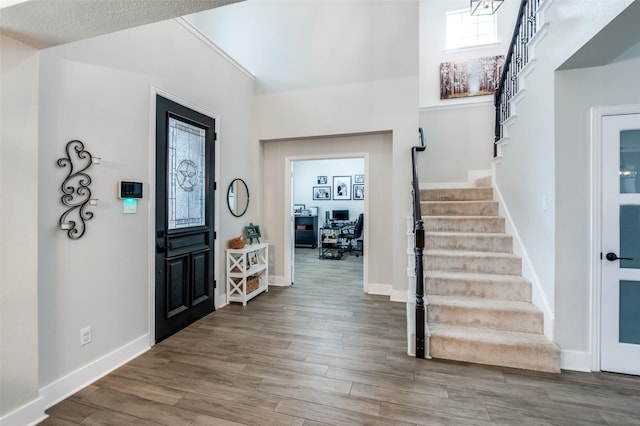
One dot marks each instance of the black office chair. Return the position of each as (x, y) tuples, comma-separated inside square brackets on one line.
[(351, 234)]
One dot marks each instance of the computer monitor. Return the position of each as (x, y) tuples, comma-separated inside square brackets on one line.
[(340, 214)]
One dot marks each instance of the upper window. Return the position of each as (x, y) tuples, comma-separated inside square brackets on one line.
[(464, 30)]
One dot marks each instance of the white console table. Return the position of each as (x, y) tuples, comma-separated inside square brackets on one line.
[(247, 272)]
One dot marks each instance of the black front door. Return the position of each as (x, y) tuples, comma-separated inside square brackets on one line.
[(184, 216)]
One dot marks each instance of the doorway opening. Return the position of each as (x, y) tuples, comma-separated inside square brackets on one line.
[(327, 231), (275, 201)]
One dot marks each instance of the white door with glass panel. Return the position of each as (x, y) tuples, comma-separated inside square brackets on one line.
[(620, 289)]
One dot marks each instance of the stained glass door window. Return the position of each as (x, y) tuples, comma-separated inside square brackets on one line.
[(186, 175)]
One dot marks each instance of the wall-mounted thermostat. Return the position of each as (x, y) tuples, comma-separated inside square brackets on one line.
[(129, 189)]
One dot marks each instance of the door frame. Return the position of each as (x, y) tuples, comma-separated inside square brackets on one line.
[(288, 207), (151, 247), (597, 114)]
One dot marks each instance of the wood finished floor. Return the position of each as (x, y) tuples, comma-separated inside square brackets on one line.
[(323, 353)]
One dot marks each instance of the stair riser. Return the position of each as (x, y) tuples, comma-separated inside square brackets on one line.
[(516, 291), (528, 358), (489, 224), (496, 319), (470, 208), (482, 265), (497, 243), (483, 182), (458, 194)]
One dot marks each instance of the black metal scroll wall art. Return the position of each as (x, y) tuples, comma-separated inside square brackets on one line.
[(76, 191)]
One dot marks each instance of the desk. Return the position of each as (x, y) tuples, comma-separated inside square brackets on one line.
[(330, 243)]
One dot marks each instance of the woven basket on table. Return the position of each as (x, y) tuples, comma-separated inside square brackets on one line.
[(238, 242), (253, 282)]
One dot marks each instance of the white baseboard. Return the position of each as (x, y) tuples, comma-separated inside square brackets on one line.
[(528, 271), (411, 345), (278, 281), (387, 290), (73, 382), (221, 300), (575, 360), (31, 413), (380, 289), (398, 296)]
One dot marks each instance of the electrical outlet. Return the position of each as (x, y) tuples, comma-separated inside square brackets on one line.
[(85, 336)]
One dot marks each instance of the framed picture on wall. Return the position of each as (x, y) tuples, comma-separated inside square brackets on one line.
[(342, 187), (358, 191), (358, 179), (322, 193), (252, 231), (322, 180), (471, 77)]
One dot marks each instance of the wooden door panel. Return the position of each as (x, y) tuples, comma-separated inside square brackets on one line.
[(177, 285), (188, 241), (199, 277)]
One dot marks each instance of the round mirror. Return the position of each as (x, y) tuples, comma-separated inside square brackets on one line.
[(238, 197)]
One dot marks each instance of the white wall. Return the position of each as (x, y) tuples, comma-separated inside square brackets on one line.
[(306, 174), (530, 177), (462, 125), (18, 233), (329, 68), (433, 43), (388, 105), (464, 133), (100, 92), (576, 92), (374, 104)]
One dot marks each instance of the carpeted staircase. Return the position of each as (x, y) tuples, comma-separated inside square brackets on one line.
[(479, 305)]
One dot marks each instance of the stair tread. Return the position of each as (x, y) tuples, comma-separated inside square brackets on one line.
[(457, 190), (487, 217), (434, 187), (468, 234), (461, 202), (452, 188), (483, 285), (483, 303), (502, 337), (476, 276), (467, 253)]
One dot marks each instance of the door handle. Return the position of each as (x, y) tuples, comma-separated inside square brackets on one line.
[(161, 245), (612, 256), (161, 242)]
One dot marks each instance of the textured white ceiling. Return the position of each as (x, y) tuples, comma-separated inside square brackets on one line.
[(47, 23)]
